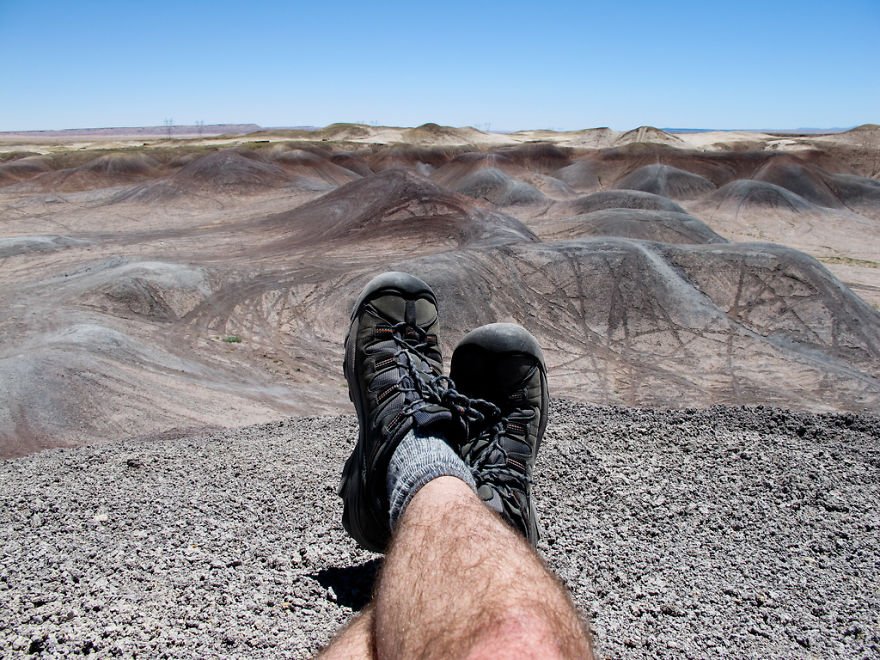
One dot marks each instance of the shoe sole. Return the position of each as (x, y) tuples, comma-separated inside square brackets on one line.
[(351, 489)]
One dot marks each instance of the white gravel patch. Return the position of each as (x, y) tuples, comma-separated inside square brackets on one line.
[(690, 534)]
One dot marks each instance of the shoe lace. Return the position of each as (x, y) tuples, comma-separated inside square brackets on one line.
[(491, 460), (411, 343), (477, 413)]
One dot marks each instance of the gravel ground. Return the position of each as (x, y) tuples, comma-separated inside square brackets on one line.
[(714, 533)]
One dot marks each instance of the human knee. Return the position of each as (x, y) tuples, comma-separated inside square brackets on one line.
[(529, 632)]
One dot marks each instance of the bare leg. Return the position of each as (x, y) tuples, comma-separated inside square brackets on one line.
[(355, 640), (458, 582)]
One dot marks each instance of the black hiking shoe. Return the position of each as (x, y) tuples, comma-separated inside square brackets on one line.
[(394, 371), (503, 364)]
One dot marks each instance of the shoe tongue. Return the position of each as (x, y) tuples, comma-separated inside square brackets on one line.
[(435, 419), (395, 309)]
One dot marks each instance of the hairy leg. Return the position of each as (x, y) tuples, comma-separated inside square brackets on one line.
[(355, 640), (459, 582)]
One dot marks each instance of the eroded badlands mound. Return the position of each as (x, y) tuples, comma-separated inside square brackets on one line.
[(153, 292), (208, 283)]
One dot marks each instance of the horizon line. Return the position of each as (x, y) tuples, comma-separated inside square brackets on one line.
[(254, 127)]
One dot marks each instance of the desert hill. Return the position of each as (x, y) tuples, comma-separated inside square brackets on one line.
[(666, 181), (396, 206), (207, 282), (644, 224)]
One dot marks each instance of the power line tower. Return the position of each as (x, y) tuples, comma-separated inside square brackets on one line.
[(169, 126), (200, 126)]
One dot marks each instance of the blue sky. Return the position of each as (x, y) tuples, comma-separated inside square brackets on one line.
[(511, 65)]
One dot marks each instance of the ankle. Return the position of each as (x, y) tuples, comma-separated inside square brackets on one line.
[(418, 462)]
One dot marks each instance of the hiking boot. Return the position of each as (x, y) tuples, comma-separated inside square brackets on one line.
[(394, 370), (503, 364)]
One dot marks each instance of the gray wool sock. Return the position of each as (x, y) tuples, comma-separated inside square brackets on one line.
[(417, 460)]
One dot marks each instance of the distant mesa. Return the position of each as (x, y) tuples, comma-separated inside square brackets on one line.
[(647, 134), (641, 224), (746, 193), (400, 206), (667, 181), (207, 130), (619, 199), (805, 180)]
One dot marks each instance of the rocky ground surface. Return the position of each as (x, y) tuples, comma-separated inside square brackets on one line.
[(726, 532)]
